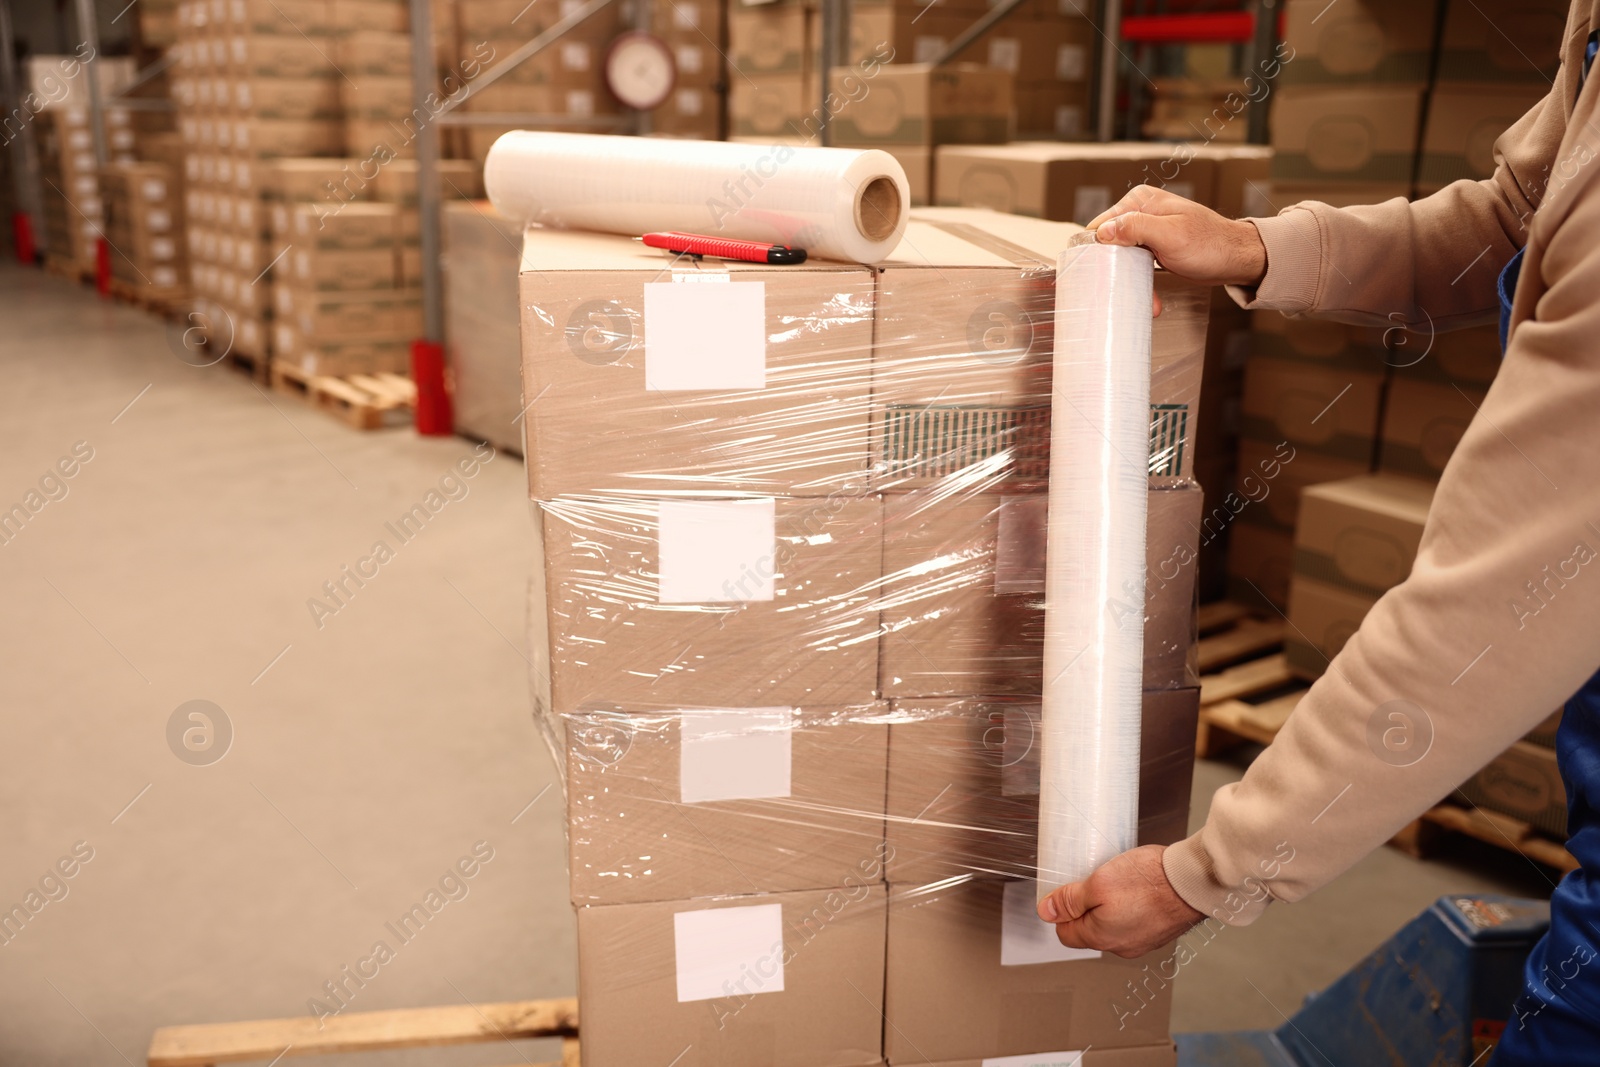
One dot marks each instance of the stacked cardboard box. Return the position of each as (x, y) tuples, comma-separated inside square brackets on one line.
[(1348, 108), (696, 32), (144, 228), (1308, 413), (482, 250), (74, 211), (773, 75), (1496, 59), (753, 542)]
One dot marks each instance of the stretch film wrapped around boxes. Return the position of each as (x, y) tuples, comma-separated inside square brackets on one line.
[(786, 644)]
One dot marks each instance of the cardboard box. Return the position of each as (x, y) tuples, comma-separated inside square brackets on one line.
[(1462, 127), (1260, 563), (963, 794), (1271, 475), (963, 609), (1240, 186), (1345, 134), (673, 804), (376, 52), (1071, 182), (1361, 534), (1053, 111), (917, 162), (1281, 194), (774, 105), (273, 16), (916, 104), (1423, 422), (328, 181), (1323, 343), (336, 315), (783, 979), (1358, 42), (1545, 733), (1499, 41), (1471, 357), (1332, 411), (769, 39), (482, 321), (964, 345), (396, 182), (899, 33), (379, 138), (1163, 1054), (382, 96), (1525, 783), (1043, 51), (962, 983), (780, 411), (691, 111), (748, 602), (308, 97), (279, 54), (340, 358), (1322, 618), (350, 226), (310, 267)]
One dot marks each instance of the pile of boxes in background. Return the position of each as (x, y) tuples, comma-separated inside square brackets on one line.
[(786, 633)]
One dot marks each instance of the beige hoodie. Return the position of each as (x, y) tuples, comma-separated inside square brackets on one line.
[(1500, 618)]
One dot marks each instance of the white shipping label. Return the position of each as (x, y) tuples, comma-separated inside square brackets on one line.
[(717, 551), (574, 55), (1027, 939), (689, 101), (685, 16), (1037, 1059), (1019, 751), (162, 248), (690, 57), (735, 754), (722, 952), (1005, 53), (158, 220), (1019, 554), (705, 337), (164, 276), (580, 103), (1069, 120), (1071, 62), (1183, 189), (1088, 201), (1257, 200)]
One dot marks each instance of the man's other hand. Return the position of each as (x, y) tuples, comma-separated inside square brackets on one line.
[(1126, 907), (1188, 239)]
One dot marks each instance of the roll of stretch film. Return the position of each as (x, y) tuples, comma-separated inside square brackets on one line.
[(1095, 561), (836, 203)]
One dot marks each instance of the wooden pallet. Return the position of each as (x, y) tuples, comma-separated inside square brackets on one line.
[(1423, 836), (259, 368), (364, 401), (170, 306), (1246, 689), (70, 269), (370, 1031)]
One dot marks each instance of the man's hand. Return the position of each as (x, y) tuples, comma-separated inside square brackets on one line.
[(1188, 239), (1126, 907)]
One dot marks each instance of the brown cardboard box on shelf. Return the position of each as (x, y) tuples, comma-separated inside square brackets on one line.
[(963, 348), (391, 355), (310, 267), (963, 794), (1332, 411), (1462, 126), (1361, 534), (482, 250), (1322, 618), (1260, 562), (963, 581), (379, 96), (1051, 180), (1545, 733), (917, 104), (780, 105), (374, 52), (769, 39), (1052, 111), (1470, 357), (345, 15), (356, 225), (917, 162), (396, 182), (781, 979), (1321, 343), (1162, 1054), (1326, 135), (628, 397), (1498, 41), (752, 602), (690, 110), (898, 33), (309, 97), (668, 804), (328, 180), (1358, 43), (336, 315), (1038, 51), (1271, 474), (281, 54), (1423, 422), (1524, 782), (971, 972)]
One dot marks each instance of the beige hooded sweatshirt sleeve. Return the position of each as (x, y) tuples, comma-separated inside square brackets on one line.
[(1499, 621)]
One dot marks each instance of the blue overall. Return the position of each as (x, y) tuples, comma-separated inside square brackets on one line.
[(1556, 1020)]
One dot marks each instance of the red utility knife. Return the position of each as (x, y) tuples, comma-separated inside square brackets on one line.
[(724, 248)]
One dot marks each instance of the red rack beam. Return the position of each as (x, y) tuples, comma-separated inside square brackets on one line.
[(1237, 27)]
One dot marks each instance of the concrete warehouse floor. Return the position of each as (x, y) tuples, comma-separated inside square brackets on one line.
[(367, 755)]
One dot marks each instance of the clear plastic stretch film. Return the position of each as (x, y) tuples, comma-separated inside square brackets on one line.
[(1095, 561), (836, 203)]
